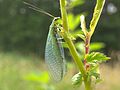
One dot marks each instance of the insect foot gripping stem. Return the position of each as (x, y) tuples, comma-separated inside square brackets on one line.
[(54, 53)]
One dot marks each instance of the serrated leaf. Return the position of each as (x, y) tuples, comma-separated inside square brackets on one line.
[(96, 57), (97, 77), (77, 79), (94, 68)]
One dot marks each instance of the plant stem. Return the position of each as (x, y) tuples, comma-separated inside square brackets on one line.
[(64, 15), (74, 53), (71, 46), (87, 45), (87, 66), (88, 85)]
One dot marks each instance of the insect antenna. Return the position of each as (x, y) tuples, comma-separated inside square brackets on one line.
[(38, 9)]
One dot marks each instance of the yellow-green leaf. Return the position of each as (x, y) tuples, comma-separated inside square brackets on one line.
[(96, 57), (96, 15)]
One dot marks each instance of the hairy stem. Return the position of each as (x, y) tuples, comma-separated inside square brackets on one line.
[(87, 47), (88, 85)]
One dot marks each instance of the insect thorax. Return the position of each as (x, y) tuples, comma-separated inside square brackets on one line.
[(57, 25)]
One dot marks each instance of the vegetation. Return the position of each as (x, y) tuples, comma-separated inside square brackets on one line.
[(25, 30), (22, 72), (89, 68), (23, 36)]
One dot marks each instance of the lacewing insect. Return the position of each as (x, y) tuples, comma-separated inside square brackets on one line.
[(54, 52)]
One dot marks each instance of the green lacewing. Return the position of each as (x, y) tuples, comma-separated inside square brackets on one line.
[(54, 52)]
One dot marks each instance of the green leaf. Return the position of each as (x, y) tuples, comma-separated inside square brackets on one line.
[(81, 35), (75, 3), (78, 34), (96, 57), (96, 15), (73, 21), (80, 47), (96, 46), (98, 80), (94, 68), (42, 77), (96, 75), (77, 79)]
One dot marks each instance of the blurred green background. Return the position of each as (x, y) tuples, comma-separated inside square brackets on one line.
[(23, 34)]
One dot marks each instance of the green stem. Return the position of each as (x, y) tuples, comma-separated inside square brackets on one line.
[(64, 15), (74, 53), (88, 85), (72, 48), (68, 40), (77, 60)]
